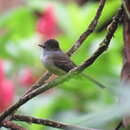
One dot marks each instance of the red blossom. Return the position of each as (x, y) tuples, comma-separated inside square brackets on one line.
[(6, 90), (47, 24), (6, 94), (27, 78)]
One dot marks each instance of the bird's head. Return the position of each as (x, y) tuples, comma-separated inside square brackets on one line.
[(50, 45)]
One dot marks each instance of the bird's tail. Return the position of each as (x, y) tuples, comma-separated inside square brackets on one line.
[(93, 80)]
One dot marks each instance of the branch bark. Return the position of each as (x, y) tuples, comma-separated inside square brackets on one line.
[(47, 122), (39, 83), (11, 125), (89, 30)]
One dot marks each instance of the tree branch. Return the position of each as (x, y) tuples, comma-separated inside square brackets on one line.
[(39, 83), (78, 43), (11, 125), (119, 126), (103, 46), (47, 122), (90, 29), (105, 43)]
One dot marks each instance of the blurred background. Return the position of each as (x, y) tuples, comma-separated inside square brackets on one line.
[(24, 24)]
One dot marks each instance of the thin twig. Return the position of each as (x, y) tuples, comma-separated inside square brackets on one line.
[(11, 125), (89, 30), (77, 44), (119, 126), (39, 83), (47, 122), (103, 46), (105, 43)]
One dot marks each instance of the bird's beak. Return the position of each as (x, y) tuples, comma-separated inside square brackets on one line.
[(40, 45)]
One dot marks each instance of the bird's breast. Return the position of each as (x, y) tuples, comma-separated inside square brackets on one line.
[(46, 60), (49, 64)]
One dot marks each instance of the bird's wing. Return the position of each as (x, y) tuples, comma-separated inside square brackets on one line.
[(63, 62)]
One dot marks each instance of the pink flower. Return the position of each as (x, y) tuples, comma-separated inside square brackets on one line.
[(6, 94), (27, 78), (47, 24), (6, 90)]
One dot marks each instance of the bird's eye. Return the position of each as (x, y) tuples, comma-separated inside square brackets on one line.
[(44, 47)]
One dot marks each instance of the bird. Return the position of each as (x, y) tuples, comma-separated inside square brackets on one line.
[(58, 62)]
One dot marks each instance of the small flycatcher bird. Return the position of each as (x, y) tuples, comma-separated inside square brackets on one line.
[(57, 62)]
